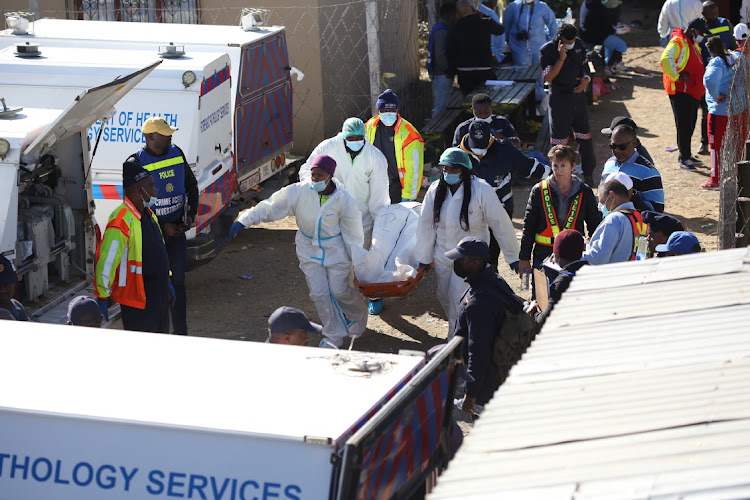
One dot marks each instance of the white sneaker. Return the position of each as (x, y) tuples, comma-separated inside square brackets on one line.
[(620, 66)]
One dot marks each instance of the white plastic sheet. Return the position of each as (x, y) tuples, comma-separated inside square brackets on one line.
[(391, 256)]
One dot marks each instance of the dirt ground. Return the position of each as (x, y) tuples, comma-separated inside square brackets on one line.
[(223, 304)]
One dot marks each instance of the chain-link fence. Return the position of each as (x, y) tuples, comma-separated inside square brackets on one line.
[(349, 51), (733, 150)]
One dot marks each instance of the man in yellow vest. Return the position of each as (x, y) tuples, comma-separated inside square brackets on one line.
[(401, 145), (132, 267)]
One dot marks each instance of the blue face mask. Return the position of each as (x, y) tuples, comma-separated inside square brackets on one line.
[(355, 145), (388, 119), (452, 179), (319, 186), (603, 208), (151, 201)]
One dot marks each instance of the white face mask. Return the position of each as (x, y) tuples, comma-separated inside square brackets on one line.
[(388, 118), (569, 47), (355, 145), (485, 120), (479, 152), (698, 39), (528, 2)]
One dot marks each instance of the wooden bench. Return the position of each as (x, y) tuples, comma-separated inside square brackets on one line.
[(519, 73), (505, 99), (437, 132)]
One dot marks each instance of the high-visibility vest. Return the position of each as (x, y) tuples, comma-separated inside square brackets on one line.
[(119, 258), (547, 237), (168, 172), (680, 53), (409, 154), (640, 228)]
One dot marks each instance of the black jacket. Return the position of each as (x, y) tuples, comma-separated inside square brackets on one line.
[(479, 320), (597, 22), (535, 220), (573, 69), (469, 42)]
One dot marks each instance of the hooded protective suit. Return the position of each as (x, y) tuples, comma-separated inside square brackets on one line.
[(677, 14), (324, 240), (365, 177), (538, 21), (485, 211)]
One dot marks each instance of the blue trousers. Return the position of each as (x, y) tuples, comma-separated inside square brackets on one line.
[(442, 86), (611, 44)]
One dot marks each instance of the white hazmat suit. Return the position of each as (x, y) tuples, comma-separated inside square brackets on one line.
[(365, 177), (677, 14), (485, 211), (327, 233)]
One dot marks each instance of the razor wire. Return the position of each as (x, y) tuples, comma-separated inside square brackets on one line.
[(342, 33), (733, 150)]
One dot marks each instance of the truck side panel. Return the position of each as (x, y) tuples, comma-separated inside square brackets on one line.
[(264, 129), (263, 110)]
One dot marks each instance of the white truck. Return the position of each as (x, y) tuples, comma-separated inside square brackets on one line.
[(261, 100), (46, 222), (176, 90), (115, 414)]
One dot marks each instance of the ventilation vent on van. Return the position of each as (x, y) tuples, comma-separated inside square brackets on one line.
[(171, 51), (8, 111), (28, 49)]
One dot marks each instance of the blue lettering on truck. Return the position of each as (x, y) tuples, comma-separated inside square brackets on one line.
[(126, 126), (214, 117), (156, 482)]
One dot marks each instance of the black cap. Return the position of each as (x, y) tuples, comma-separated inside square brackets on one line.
[(132, 172), (661, 223), (469, 247), (619, 120), (479, 135), (699, 24), (285, 319)]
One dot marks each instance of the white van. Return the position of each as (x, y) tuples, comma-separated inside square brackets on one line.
[(95, 414), (46, 221), (191, 92), (261, 101)]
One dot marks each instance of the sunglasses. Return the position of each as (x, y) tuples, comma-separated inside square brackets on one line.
[(621, 147)]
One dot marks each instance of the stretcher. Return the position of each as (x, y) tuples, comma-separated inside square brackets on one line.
[(390, 289)]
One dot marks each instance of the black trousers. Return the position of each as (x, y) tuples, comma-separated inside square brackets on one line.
[(685, 110), (176, 251), (704, 121), (470, 80), (569, 111)]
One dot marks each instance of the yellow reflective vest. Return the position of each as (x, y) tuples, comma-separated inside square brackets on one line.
[(409, 154)]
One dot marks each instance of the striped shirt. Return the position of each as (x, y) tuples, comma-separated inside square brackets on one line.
[(646, 179)]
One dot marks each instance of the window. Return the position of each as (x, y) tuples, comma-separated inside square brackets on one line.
[(154, 11)]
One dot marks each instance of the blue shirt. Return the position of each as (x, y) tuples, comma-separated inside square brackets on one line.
[(718, 78), (498, 41), (613, 239), (646, 179)]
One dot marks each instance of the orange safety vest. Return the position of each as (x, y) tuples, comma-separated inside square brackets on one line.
[(640, 228), (547, 237), (119, 257)]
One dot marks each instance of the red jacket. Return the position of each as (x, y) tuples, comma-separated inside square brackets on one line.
[(682, 55)]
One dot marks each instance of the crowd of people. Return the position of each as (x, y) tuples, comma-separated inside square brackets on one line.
[(465, 223)]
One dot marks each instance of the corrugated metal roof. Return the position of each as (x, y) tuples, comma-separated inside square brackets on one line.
[(638, 386)]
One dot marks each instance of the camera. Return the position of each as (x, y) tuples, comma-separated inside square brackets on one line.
[(522, 35)]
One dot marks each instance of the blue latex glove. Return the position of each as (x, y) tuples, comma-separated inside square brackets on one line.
[(236, 228), (172, 296), (663, 41), (405, 199), (104, 308), (514, 266), (426, 267)]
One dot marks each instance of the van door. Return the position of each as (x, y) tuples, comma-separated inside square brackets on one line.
[(87, 108)]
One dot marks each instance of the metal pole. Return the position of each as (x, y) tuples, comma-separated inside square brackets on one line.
[(373, 51), (742, 233), (34, 7), (431, 13)]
